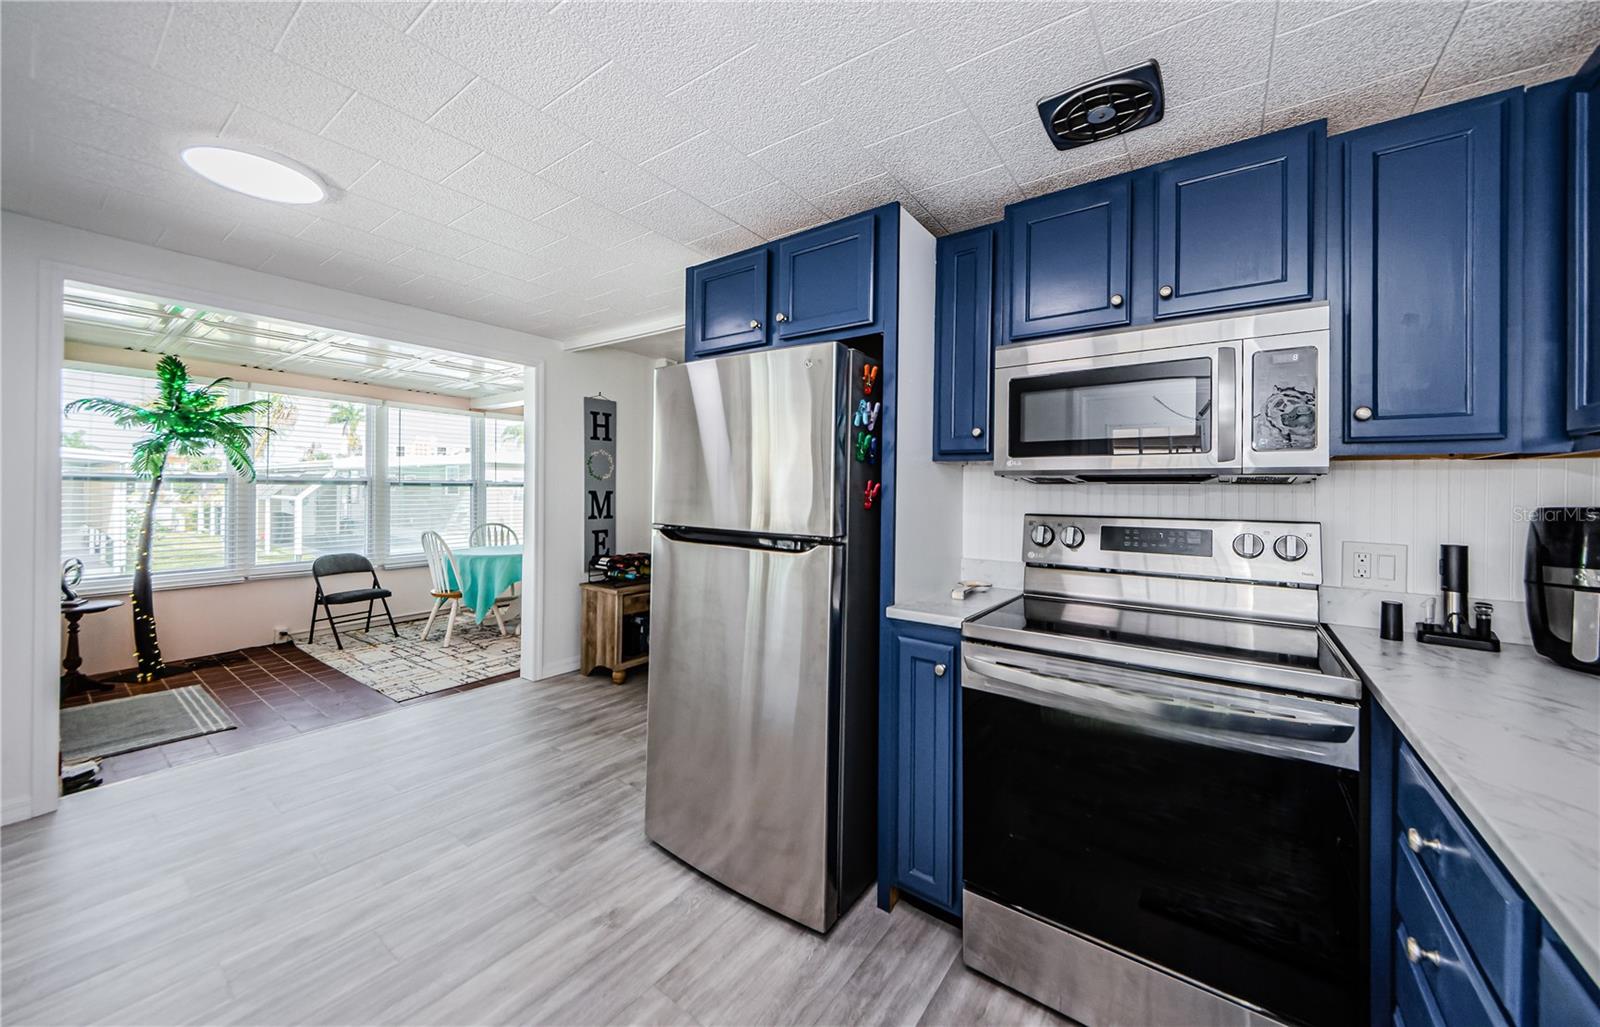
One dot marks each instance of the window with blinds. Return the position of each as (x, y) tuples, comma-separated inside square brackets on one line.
[(503, 471), (312, 478), (430, 477)]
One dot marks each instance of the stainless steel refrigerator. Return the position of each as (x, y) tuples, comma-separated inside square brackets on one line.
[(762, 744)]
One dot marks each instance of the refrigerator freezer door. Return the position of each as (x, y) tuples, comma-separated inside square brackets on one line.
[(754, 442), (737, 759)]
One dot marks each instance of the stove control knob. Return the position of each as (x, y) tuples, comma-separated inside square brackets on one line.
[(1289, 547), (1071, 536), (1248, 545), (1042, 535)]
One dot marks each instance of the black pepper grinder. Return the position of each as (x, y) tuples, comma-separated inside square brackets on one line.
[(1453, 585)]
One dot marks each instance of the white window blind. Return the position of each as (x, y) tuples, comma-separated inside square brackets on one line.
[(311, 492), (430, 478), (503, 472), (103, 502)]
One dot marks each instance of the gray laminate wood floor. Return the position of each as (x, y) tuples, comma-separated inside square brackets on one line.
[(480, 859)]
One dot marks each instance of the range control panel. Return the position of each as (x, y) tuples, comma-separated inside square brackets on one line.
[(1281, 552)]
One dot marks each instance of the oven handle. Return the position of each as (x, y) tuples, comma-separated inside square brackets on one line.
[(1227, 405), (1107, 701)]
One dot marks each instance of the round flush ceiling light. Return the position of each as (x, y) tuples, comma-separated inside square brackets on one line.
[(256, 173)]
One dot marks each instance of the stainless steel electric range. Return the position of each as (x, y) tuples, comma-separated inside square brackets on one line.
[(1160, 753)]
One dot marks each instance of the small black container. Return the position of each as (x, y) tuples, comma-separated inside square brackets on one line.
[(1392, 620)]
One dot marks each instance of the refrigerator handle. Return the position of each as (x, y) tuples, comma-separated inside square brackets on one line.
[(741, 540)]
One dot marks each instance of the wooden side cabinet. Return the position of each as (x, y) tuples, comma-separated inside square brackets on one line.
[(616, 628)]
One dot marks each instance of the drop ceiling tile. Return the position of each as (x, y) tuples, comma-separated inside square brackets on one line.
[(1495, 39), (112, 81), (495, 182), (53, 112), (772, 210), (952, 147), (498, 226), (958, 32), (1120, 23), (354, 210), (1367, 104), (868, 193), (260, 23), (708, 169), (657, 256), (370, 56), (1297, 14), (665, 44), (1212, 122), (342, 270), (1003, 87), (585, 221), (493, 257), (1031, 156), (404, 191), (438, 265), (213, 244), (67, 199), (505, 285), (131, 29), (724, 243), (493, 120), (128, 216), (269, 242), (888, 90), (751, 101), (350, 240), (205, 54), (514, 45), (1353, 48), (813, 37), (679, 217), (399, 15), (303, 263), (1568, 65), (335, 162), (634, 120), (365, 124), (1107, 167), (818, 160), (1206, 55), (975, 200), (608, 179), (427, 235)]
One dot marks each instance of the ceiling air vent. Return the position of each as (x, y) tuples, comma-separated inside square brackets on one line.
[(1106, 107)]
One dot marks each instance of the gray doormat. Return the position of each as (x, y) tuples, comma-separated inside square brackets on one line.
[(140, 721)]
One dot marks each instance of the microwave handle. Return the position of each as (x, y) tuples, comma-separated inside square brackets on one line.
[(1227, 405)]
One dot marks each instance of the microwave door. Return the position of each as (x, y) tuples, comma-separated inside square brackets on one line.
[(1284, 420)]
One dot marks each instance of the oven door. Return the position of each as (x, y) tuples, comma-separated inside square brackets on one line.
[(1208, 830), (1161, 413)]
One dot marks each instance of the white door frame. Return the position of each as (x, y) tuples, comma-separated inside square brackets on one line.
[(44, 572)]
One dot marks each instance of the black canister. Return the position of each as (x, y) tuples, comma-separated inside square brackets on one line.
[(1562, 581)]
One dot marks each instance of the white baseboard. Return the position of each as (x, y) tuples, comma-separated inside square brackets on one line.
[(15, 810), (560, 665)]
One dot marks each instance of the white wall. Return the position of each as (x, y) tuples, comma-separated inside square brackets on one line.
[(33, 253), (1416, 503)]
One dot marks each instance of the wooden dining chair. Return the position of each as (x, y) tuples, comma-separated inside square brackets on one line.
[(446, 585), (496, 534)]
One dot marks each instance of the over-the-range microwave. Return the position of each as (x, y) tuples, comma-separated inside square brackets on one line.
[(1239, 399)]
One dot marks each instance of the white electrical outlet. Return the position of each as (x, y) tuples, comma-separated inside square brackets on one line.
[(283, 633), (1376, 566)]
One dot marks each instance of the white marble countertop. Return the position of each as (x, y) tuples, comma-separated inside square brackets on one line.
[(949, 613), (1515, 741)]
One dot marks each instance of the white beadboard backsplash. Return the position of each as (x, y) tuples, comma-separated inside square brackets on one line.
[(1420, 504)]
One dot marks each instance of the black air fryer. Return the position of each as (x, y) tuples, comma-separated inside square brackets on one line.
[(1563, 582)]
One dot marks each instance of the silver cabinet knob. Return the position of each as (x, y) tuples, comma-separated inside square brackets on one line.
[(1416, 843), (1116, 299), (938, 670), (755, 324), (977, 433), (1416, 953), (780, 318), (1363, 413), (1165, 292)]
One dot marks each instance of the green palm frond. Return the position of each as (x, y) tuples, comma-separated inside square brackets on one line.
[(125, 414), (174, 379), (238, 455), (150, 456)]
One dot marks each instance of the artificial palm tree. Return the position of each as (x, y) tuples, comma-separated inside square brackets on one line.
[(187, 422)]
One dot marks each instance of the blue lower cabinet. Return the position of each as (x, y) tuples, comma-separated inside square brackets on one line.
[(824, 278), (1564, 996), (963, 345), (926, 694)]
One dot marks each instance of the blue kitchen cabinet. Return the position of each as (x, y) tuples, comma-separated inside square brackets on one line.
[(1068, 259), (924, 764), (1564, 995), (825, 278), (1428, 233), (727, 307), (963, 344), (1237, 226), (1583, 393)]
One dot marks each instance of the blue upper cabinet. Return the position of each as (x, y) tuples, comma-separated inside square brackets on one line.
[(1235, 226), (1583, 397), (1068, 260), (1429, 232), (963, 345), (727, 304), (825, 279)]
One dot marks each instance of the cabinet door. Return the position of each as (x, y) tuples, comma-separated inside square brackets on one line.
[(1234, 226), (963, 345), (1583, 400), (727, 304), (925, 840), (1427, 232), (1069, 260), (825, 278)]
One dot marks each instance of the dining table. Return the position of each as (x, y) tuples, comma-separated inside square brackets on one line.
[(486, 573)]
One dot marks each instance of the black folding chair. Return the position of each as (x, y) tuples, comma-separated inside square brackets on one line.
[(347, 563)]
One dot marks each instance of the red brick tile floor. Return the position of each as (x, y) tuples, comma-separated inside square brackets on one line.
[(273, 691)]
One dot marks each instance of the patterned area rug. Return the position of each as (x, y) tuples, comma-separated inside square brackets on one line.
[(407, 667)]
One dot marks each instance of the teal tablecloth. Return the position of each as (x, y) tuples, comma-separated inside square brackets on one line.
[(488, 571)]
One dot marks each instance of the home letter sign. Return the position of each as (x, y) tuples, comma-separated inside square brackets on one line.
[(599, 476)]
